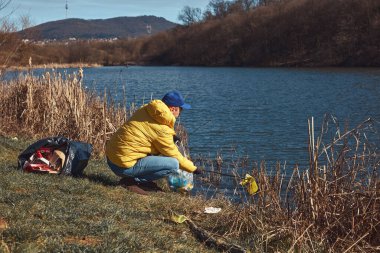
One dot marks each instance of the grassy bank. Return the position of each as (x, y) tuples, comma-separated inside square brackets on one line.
[(43, 213), (331, 205)]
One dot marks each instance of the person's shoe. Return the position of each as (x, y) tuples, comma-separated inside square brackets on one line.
[(131, 185), (136, 189), (126, 181), (150, 186)]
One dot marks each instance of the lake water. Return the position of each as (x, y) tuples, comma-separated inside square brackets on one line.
[(260, 113)]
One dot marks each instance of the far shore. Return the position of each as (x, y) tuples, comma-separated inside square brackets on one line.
[(53, 66), (66, 65)]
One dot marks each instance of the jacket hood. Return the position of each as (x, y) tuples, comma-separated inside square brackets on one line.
[(160, 112)]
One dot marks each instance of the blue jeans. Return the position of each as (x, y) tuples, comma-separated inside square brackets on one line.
[(149, 168)]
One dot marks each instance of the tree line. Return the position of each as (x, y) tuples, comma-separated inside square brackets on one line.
[(217, 9), (235, 33), (276, 33)]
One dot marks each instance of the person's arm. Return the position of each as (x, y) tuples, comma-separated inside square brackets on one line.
[(166, 147)]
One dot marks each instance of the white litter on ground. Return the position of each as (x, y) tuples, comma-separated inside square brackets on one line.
[(212, 210)]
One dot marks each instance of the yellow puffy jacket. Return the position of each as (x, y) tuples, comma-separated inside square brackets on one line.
[(149, 131)]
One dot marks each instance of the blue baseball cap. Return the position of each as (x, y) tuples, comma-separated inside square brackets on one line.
[(174, 98)]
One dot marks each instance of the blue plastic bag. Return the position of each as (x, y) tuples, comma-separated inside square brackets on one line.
[(181, 181)]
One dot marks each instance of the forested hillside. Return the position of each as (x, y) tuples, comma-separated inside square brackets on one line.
[(284, 33), (236, 33), (120, 27)]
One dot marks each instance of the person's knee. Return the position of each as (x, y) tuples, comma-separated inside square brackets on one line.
[(173, 164)]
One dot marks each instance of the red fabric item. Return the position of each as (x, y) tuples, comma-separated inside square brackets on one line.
[(39, 162)]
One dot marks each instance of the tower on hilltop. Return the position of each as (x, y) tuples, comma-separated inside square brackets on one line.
[(66, 7)]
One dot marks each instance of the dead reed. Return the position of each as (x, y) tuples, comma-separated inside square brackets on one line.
[(333, 205), (58, 104)]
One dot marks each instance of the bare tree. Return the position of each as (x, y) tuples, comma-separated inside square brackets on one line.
[(4, 3), (267, 2), (9, 41), (3, 29), (25, 22), (246, 5), (189, 15), (218, 8), (241, 5)]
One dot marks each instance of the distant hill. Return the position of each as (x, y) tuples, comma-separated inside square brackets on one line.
[(120, 27)]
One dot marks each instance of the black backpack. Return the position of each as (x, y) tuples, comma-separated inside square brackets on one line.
[(36, 157)]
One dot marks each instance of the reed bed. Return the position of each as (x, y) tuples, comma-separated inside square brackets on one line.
[(57, 104), (333, 205)]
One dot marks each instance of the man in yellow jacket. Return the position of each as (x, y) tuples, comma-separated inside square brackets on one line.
[(142, 150)]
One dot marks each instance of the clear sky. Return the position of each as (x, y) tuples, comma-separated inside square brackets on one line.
[(41, 11)]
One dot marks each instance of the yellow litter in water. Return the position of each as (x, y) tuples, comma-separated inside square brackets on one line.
[(178, 218), (250, 183)]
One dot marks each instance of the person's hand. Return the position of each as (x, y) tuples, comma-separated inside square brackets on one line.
[(199, 171), (176, 139)]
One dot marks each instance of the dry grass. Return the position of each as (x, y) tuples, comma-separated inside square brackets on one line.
[(52, 66), (56, 104), (333, 205)]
